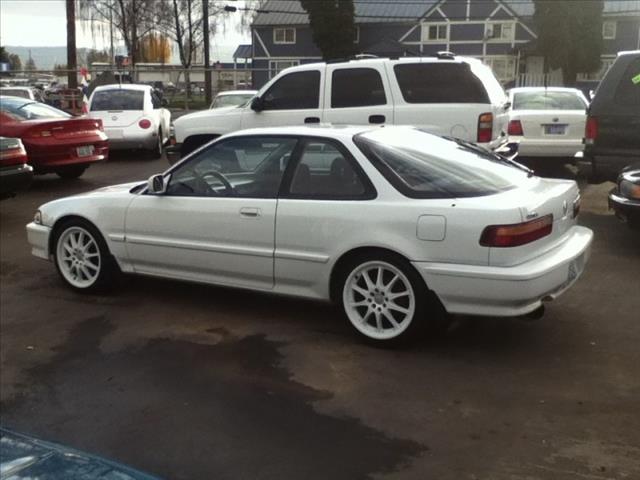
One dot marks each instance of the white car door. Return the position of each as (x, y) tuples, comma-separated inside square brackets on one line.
[(215, 223), (293, 99), (357, 95)]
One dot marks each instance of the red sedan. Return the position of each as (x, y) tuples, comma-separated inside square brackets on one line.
[(55, 141)]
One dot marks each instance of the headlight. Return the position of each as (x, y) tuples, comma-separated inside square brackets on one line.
[(629, 189), (37, 218)]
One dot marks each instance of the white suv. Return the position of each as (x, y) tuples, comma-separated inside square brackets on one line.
[(445, 94)]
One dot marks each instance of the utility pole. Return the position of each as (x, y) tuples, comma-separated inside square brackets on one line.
[(111, 52), (72, 63), (207, 60)]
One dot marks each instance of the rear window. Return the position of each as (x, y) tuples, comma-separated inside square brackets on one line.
[(118, 100), (628, 91), (439, 83), (14, 92), (29, 110), (548, 101), (421, 165)]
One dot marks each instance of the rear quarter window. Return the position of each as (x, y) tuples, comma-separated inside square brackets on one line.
[(628, 91), (439, 83)]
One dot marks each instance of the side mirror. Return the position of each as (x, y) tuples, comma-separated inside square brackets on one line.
[(164, 102), (592, 94), (257, 104), (506, 106), (156, 185)]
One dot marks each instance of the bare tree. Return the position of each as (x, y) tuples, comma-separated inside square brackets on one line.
[(132, 18)]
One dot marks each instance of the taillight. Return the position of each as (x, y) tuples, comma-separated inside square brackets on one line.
[(591, 130), (515, 128), (485, 127), (41, 133), (144, 123), (516, 234)]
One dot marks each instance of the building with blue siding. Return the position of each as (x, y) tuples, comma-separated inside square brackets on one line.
[(500, 32)]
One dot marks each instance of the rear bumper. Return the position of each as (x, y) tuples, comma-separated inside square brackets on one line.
[(15, 178), (122, 139), (38, 238), (510, 291), (548, 147)]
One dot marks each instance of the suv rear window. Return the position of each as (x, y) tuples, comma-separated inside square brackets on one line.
[(421, 165), (628, 91), (548, 100), (438, 82), (118, 100)]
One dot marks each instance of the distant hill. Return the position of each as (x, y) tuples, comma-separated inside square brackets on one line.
[(45, 57)]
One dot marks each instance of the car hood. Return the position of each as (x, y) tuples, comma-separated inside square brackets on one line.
[(23, 457), (208, 114)]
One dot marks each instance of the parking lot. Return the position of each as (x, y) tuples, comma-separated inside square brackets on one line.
[(196, 382)]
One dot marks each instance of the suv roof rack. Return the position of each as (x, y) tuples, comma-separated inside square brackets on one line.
[(444, 55), (359, 56)]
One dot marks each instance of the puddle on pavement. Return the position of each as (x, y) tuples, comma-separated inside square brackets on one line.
[(185, 410)]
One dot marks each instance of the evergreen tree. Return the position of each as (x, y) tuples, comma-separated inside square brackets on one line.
[(332, 26)]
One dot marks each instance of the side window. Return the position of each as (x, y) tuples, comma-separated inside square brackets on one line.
[(238, 167), (628, 91), (357, 87), (294, 91), (439, 82), (324, 172)]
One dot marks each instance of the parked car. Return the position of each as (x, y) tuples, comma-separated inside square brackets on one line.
[(55, 141), (444, 94), (133, 116), (393, 223), (29, 93), (23, 457), (612, 133), (624, 199), (15, 174), (232, 98), (548, 123)]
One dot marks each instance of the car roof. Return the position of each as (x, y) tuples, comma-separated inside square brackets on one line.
[(123, 86), (237, 92), (543, 89), (322, 130)]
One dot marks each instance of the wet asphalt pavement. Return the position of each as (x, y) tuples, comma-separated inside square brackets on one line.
[(196, 382)]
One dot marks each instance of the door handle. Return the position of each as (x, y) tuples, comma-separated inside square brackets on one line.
[(312, 120), (377, 119), (250, 212)]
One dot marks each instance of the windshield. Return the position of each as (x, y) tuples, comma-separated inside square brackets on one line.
[(548, 100), (28, 110), (117, 100), (231, 100), (421, 165)]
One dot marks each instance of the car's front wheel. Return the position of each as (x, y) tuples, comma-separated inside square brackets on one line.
[(385, 299), (82, 257)]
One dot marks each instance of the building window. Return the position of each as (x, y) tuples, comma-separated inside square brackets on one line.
[(356, 34), (284, 35), (276, 66), (435, 32), (500, 31), (504, 67), (609, 30)]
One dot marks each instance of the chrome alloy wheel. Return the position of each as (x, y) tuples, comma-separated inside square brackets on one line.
[(379, 300), (78, 257)]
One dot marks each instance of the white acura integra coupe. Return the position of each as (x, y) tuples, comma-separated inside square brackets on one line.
[(393, 223)]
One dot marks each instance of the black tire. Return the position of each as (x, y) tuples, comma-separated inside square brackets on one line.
[(107, 270), (71, 172), (428, 315), (157, 150)]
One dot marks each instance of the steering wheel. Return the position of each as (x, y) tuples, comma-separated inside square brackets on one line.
[(227, 186)]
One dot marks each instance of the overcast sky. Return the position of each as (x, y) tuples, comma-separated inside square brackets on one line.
[(41, 23)]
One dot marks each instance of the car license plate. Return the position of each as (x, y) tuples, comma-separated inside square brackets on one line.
[(114, 133), (555, 129), (85, 151)]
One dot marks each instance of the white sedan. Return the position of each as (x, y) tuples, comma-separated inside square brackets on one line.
[(395, 224), (232, 98), (547, 122), (133, 116)]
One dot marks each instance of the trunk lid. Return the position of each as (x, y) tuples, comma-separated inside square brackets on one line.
[(551, 124), (118, 118), (65, 128)]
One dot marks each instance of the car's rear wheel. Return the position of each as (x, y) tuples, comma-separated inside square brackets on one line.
[(157, 150), (74, 171), (385, 299), (82, 257)]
